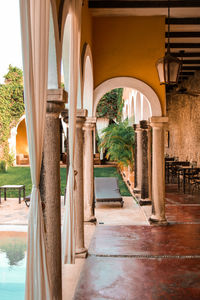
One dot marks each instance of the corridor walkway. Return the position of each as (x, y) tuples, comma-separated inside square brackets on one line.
[(146, 262)]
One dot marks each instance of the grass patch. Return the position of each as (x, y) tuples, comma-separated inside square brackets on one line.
[(22, 175), (112, 172)]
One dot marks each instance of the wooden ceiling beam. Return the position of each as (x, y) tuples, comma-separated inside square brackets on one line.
[(183, 21), (186, 54), (195, 68), (181, 34), (143, 4), (183, 45), (186, 73), (191, 62)]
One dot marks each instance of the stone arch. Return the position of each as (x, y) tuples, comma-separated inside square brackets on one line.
[(88, 82), (54, 61), (63, 17), (66, 59), (13, 138), (130, 82)]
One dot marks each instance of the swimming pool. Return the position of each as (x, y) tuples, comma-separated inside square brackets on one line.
[(12, 265)]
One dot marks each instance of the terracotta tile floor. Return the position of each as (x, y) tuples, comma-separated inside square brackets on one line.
[(146, 262), (139, 279)]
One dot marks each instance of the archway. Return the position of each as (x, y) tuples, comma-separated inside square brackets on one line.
[(88, 84), (128, 82), (18, 143), (143, 173)]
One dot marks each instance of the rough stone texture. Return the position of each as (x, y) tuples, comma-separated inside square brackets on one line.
[(146, 162), (50, 188), (50, 194), (135, 157), (158, 184), (78, 193), (88, 172), (184, 123)]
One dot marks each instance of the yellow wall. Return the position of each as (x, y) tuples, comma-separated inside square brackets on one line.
[(129, 46), (21, 139), (86, 26)]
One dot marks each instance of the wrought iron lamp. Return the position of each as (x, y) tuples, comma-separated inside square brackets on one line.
[(168, 67)]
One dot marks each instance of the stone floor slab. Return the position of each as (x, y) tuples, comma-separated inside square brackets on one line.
[(139, 279), (184, 213), (175, 240)]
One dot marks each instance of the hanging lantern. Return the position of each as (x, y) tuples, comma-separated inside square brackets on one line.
[(168, 67)]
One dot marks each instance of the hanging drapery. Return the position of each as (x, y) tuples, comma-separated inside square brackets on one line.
[(35, 42), (68, 242)]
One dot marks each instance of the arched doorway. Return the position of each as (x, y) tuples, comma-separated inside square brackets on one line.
[(128, 82), (154, 178), (18, 143)]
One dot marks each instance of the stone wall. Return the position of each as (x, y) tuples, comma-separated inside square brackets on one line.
[(184, 122)]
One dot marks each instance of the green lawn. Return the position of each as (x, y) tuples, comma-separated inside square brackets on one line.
[(21, 175), (112, 172)]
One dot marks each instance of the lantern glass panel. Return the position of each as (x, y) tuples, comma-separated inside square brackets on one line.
[(160, 69)]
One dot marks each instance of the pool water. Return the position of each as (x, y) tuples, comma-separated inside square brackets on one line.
[(12, 265)]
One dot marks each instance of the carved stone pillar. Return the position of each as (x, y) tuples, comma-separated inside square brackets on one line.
[(88, 168), (78, 166), (158, 169), (50, 188), (146, 164), (78, 194), (138, 159)]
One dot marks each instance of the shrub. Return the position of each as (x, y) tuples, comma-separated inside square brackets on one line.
[(3, 166), (118, 140)]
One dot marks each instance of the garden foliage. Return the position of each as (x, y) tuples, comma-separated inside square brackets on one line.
[(118, 140), (11, 108), (111, 104)]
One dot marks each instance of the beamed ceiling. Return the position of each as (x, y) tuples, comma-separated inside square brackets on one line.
[(184, 24)]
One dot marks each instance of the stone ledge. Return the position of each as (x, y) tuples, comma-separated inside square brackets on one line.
[(57, 95)]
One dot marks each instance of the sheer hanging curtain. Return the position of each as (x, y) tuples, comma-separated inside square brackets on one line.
[(68, 243), (35, 42)]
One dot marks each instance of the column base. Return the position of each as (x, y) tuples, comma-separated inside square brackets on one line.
[(136, 191), (154, 221), (146, 201), (81, 253)]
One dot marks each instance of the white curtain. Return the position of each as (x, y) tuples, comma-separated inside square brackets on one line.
[(35, 42), (68, 241)]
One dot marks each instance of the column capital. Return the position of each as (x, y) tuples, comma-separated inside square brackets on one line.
[(81, 115), (137, 128), (89, 123), (158, 121), (56, 99)]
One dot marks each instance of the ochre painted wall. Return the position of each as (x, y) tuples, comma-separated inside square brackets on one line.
[(86, 26), (21, 139), (129, 46)]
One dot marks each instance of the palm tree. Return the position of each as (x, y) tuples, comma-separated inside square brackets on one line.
[(118, 140)]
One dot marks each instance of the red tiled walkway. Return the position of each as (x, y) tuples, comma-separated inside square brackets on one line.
[(146, 262)]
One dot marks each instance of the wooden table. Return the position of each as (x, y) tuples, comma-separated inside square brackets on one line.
[(187, 170), (20, 188)]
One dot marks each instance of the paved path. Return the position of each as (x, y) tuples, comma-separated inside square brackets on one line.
[(146, 262)]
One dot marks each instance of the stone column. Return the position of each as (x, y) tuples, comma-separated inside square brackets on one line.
[(78, 193), (146, 164), (78, 166), (158, 169), (50, 188), (138, 159), (88, 167)]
